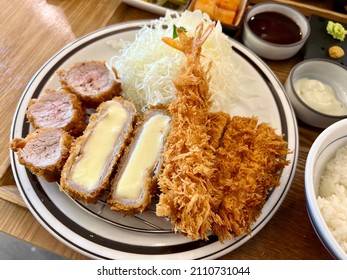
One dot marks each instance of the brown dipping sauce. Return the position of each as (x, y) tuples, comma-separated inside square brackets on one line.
[(275, 28)]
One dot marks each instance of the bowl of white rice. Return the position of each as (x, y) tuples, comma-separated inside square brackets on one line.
[(326, 188)]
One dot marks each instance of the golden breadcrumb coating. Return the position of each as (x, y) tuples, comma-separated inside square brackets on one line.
[(188, 155), (44, 152), (149, 184), (57, 109), (91, 81), (79, 149), (248, 165), (218, 170), (217, 122)]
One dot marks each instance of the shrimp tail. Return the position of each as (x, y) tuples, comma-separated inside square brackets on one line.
[(185, 44), (201, 36)]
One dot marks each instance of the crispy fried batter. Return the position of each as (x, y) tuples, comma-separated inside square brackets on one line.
[(91, 81), (44, 151), (248, 164), (218, 170), (82, 157), (188, 156), (217, 122), (149, 177), (57, 109)]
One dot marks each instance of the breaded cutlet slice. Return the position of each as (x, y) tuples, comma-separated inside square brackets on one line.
[(94, 155), (250, 159), (91, 81), (57, 109), (136, 180), (44, 152)]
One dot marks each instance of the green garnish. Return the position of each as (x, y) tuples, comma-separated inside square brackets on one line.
[(336, 30), (175, 35)]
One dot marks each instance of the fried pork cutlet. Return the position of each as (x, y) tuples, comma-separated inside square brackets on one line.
[(93, 156), (249, 161), (57, 109), (136, 180), (217, 123), (91, 81), (216, 126), (44, 152)]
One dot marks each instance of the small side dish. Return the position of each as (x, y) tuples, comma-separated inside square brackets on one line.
[(229, 12), (222, 10), (275, 27), (317, 90), (319, 96), (275, 31)]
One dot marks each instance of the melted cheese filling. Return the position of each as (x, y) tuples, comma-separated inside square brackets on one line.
[(95, 153), (143, 158)]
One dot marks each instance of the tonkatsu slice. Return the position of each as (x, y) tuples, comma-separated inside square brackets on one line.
[(92, 81), (136, 180), (94, 154), (44, 152), (57, 109)]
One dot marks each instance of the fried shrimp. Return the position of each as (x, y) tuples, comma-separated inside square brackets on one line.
[(188, 156)]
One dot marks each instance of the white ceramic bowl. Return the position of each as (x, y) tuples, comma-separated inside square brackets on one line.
[(267, 49), (328, 72), (322, 150)]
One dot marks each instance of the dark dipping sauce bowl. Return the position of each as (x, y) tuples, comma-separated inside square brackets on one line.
[(275, 31)]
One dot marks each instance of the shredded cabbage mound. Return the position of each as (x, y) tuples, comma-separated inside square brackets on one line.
[(147, 66)]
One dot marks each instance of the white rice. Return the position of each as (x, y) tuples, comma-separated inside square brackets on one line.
[(332, 199)]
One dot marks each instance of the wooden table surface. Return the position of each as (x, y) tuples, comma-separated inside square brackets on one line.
[(32, 31)]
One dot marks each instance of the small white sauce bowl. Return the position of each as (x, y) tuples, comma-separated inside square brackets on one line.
[(326, 71), (323, 149), (270, 50)]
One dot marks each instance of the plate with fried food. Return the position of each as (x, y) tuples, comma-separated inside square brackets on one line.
[(161, 139)]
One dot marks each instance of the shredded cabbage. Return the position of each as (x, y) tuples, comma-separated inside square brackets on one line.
[(147, 66)]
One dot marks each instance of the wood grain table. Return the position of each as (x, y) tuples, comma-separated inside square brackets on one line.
[(32, 31)]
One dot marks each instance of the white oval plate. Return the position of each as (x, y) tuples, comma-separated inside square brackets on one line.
[(95, 238)]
